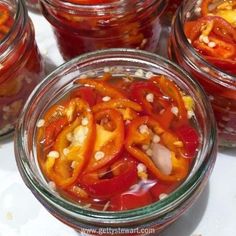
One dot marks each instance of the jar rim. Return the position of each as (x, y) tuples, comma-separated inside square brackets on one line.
[(149, 211), (115, 4), (224, 78)]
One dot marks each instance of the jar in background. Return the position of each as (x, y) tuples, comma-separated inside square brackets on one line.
[(141, 221), (83, 26), (33, 5), (171, 9), (219, 85), (21, 66)]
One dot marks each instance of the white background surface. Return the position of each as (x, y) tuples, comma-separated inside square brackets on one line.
[(214, 214)]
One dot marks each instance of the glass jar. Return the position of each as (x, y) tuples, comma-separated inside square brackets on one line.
[(21, 66), (142, 221), (170, 10), (33, 5), (219, 85), (81, 28)]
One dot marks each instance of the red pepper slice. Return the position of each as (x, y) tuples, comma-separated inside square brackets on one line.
[(190, 138), (55, 120), (170, 89), (102, 87), (109, 138), (52, 131), (216, 24), (139, 91), (119, 103), (73, 144), (222, 49), (87, 94), (159, 108), (107, 186), (135, 140), (126, 107)]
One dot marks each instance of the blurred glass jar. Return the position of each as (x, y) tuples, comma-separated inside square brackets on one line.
[(33, 5), (83, 26), (170, 10), (219, 85), (21, 66), (139, 221)]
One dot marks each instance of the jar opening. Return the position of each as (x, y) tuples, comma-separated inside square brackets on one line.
[(109, 7)]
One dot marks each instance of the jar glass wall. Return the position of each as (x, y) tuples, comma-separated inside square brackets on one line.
[(155, 216), (81, 28), (21, 66), (33, 5), (214, 73)]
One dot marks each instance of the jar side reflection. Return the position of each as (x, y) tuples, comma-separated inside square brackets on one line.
[(220, 86)]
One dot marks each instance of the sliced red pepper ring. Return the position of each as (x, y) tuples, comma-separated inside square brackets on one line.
[(170, 89), (150, 97), (86, 93), (139, 92), (72, 146), (103, 88), (210, 24), (106, 186), (136, 138), (119, 103), (109, 138), (221, 49), (55, 120), (126, 107)]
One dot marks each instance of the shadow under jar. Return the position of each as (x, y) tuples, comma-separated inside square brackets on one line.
[(21, 66), (54, 175), (203, 42), (83, 26)]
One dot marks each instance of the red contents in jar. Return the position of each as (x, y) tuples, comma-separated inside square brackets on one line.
[(130, 24), (211, 30), (20, 69), (111, 150)]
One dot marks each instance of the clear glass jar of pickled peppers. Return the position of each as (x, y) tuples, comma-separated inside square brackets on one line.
[(83, 26), (21, 65), (102, 194), (203, 41)]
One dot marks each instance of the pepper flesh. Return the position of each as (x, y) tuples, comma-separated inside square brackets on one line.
[(135, 139), (73, 152), (111, 123)]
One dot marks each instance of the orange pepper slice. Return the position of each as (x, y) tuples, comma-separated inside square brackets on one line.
[(135, 139)]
